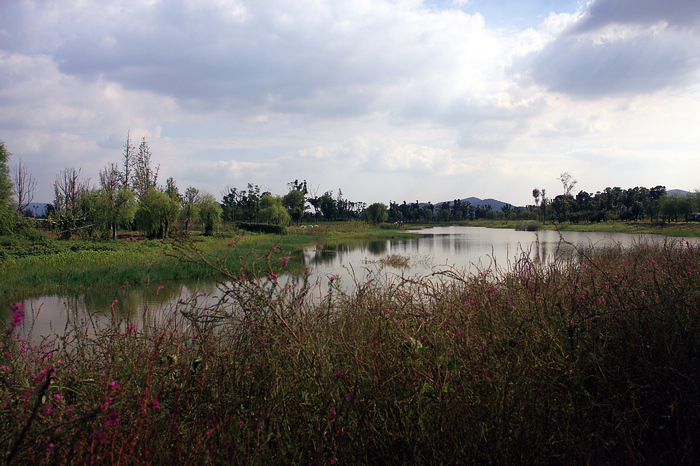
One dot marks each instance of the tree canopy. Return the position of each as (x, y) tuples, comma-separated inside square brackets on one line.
[(8, 215)]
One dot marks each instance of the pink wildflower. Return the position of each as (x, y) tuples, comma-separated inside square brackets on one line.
[(112, 419), (17, 315), (113, 385)]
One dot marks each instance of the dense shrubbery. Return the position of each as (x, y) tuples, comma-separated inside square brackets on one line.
[(589, 362), (262, 228)]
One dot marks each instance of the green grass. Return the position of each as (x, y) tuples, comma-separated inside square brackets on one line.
[(46, 266), (594, 362), (679, 229)]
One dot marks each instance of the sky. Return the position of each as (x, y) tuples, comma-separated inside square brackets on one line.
[(386, 100)]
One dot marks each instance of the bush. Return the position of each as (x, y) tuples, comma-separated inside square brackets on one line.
[(591, 361)]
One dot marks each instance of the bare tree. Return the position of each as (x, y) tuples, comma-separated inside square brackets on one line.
[(67, 189), (129, 155), (568, 182), (24, 186)]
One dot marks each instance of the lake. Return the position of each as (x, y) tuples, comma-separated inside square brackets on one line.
[(471, 249)]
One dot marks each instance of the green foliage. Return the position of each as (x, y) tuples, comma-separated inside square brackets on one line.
[(210, 213), (375, 213), (273, 212), (155, 214), (8, 216), (116, 209), (262, 228), (190, 210), (586, 362), (295, 202)]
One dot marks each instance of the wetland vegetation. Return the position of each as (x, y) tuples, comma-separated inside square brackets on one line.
[(590, 361)]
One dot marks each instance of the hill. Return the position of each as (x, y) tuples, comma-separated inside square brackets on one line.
[(476, 202)]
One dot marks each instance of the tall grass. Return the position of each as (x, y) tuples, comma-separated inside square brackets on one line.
[(587, 361)]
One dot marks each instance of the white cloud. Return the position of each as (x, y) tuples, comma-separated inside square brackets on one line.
[(380, 98)]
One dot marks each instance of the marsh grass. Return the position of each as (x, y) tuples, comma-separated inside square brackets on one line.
[(575, 362)]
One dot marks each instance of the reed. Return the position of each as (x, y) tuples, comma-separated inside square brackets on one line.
[(593, 360)]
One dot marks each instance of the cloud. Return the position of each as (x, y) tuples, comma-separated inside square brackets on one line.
[(321, 59), (431, 99), (619, 48), (602, 13)]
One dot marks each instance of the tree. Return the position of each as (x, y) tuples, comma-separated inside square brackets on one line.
[(210, 213), (116, 204), (171, 190), (88, 200), (24, 187), (155, 213), (329, 210), (295, 203), (568, 182), (145, 177), (507, 209), (273, 212), (376, 213), (190, 208), (67, 188), (129, 156), (67, 214), (8, 216), (536, 194), (543, 206)]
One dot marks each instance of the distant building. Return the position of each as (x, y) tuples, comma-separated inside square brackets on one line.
[(37, 209)]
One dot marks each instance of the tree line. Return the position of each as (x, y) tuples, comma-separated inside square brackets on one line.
[(128, 196)]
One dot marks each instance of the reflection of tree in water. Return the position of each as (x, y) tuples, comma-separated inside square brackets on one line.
[(330, 253), (543, 252), (130, 302)]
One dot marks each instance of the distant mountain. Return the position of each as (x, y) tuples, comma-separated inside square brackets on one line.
[(676, 192), (495, 204), (476, 202)]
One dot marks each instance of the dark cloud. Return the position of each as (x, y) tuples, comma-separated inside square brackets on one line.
[(601, 13), (650, 49), (585, 69)]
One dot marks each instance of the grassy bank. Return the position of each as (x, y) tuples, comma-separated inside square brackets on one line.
[(585, 363), (41, 265), (679, 229)]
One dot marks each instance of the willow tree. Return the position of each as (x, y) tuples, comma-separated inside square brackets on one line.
[(155, 214), (8, 216)]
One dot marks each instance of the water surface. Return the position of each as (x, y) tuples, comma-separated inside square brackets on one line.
[(469, 249)]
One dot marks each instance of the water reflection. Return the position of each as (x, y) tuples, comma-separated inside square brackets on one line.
[(465, 248)]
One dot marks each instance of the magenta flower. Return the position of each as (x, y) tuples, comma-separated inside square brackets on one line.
[(17, 315), (112, 419)]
